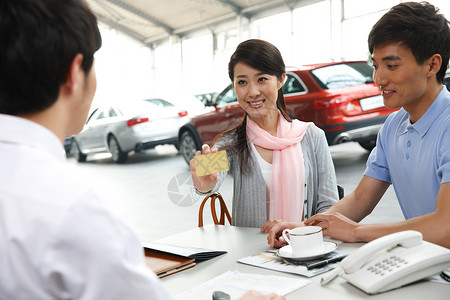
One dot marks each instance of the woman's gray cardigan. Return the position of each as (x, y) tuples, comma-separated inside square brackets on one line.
[(249, 192)]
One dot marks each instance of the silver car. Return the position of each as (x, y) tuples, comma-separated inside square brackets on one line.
[(121, 128)]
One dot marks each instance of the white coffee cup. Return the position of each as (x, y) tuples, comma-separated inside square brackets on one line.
[(305, 241)]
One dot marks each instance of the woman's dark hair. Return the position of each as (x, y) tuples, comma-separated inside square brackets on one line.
[(420, 27), (39, 39), (264, 57)]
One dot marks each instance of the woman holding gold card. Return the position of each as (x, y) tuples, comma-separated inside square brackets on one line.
[(281, 168)]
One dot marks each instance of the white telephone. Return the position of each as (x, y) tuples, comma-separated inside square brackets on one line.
[(391, 261)]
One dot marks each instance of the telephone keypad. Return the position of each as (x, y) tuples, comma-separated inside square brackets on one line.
[(387, 265)]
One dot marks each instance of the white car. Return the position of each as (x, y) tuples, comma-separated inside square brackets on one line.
[(124, 127)]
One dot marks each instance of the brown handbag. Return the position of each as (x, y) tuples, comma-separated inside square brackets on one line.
[(223, 210)]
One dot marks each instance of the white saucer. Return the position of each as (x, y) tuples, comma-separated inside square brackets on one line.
[(286, 252)]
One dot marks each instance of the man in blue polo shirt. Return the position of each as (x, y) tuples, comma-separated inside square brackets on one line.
[(410, 47)]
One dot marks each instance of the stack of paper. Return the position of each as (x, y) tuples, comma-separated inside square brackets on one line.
[(236, 284)]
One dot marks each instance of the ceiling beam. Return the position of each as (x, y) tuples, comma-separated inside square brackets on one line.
[(235, 8), (142, 14), (132, 34), (249, 13)]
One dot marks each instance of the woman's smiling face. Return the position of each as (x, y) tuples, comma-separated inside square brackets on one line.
[(256, 92)]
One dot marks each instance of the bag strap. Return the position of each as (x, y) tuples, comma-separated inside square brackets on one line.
[(223, 210)]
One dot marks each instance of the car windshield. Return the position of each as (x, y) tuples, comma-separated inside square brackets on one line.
[(343, 75), (138, 107), (159, 102), (226, 97)]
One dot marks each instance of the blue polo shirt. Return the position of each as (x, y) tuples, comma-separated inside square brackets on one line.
[(415, 158)]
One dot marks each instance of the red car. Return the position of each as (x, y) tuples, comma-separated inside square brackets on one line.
[(340, 97)]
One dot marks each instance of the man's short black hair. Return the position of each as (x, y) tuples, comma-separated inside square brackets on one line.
[(38, 41), (418, 26)]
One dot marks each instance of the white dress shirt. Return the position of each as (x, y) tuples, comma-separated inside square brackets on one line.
[(57, 239)]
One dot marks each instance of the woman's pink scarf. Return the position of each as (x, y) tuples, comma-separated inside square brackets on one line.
[(288, 170)]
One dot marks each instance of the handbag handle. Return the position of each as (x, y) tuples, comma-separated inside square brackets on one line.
[(223, 210)]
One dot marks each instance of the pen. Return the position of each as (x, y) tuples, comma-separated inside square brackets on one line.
[(325, 262), (219, 295), (445, 275)]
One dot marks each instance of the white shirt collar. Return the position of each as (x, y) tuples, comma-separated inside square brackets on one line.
[(16, 130)]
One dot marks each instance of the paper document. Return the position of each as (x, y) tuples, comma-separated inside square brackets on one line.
[(236, 284), (269, 260)]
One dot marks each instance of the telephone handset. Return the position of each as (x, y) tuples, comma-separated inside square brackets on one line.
[(391, 261)]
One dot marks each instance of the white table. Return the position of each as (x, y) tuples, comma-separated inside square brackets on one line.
[(241, 242)]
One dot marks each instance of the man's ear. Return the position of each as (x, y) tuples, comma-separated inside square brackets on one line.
[(435, 63), (74, 76)]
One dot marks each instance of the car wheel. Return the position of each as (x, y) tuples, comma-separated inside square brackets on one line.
[(188, 146), (117, 154), (368, 144), (76, 152)]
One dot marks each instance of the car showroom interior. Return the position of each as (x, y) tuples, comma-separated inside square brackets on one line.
[(164, 98)]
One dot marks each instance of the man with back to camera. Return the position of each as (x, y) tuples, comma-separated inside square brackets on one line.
[(57, 240), (410, 47)]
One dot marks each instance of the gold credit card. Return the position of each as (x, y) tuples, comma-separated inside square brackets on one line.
[(211, 163)]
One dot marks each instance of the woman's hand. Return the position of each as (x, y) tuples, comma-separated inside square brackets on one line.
[(275, 228), (205, 183), (269, 224)]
